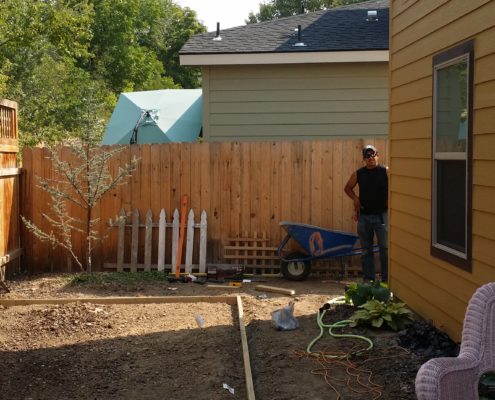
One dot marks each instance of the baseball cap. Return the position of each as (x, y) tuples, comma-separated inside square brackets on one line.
[(369, 149)]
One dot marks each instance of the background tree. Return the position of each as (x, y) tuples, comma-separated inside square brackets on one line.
[(285, 8), (81, 183), (51, 51)]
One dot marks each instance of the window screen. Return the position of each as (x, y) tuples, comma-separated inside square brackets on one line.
[(451, 168)]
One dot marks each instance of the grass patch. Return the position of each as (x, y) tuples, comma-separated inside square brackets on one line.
[(100, 278)]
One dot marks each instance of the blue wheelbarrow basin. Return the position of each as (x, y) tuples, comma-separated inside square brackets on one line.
[(319, 242)]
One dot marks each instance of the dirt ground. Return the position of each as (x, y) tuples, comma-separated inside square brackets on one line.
[(158, 351)]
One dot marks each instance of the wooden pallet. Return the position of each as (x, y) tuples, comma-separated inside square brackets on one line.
[(254, 253)]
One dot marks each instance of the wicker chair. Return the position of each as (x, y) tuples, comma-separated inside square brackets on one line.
[(449, 378)]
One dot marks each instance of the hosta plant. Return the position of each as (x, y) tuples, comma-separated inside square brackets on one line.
[(360, 293), (377, 313)]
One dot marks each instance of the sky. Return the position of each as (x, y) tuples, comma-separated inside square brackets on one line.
[(229, 13)]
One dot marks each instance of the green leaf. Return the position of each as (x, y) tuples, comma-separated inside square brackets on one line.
[(381, 294), (377, 323), (357, 300), (363, 291), (393, 325)]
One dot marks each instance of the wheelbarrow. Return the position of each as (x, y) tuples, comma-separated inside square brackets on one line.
[(318, 243)]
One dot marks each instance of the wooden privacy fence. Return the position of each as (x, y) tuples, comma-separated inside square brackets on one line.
[(244, 187), (162, 226), (10, 249)]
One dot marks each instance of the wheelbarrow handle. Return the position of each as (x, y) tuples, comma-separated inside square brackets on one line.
[(282, 245)]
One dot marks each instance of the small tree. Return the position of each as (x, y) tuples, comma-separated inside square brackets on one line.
[(82, 183)]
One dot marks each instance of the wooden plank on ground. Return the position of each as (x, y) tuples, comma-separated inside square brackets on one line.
[(274, 289), (245, 351), (122, 300)]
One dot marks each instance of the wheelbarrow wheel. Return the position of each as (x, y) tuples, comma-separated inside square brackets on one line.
[(295, 270)]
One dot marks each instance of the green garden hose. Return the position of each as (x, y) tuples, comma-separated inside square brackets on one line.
[(340, 324)]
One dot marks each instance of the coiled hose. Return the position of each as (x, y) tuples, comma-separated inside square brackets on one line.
[(340, 324)]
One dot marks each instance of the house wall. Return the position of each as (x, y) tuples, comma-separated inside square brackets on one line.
[(273, 102), (419, 30)]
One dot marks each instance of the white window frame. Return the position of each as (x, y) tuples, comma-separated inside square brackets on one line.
[(461, 54)]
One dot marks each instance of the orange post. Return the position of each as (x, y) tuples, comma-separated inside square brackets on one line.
[(183, 211)]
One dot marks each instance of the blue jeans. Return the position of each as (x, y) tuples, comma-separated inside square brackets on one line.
[(368, 225)]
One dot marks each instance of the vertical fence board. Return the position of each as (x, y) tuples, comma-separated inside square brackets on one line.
[(202, 242), (147, 240), (285, 186), (175, 239), (216, 225), (235, 189), (175, 178), (225, 188), (275, 152), (120, 247), (338, 184), (245, 189), (161, 240), (296, 177), (164, 188), (135, 240), (265, 183), (190, 242)]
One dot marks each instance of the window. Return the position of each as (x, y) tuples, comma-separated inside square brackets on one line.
[(451, 155)]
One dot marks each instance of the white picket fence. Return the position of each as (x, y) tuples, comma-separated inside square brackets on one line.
[(162, 225)]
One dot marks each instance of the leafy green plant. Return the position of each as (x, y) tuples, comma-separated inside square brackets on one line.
[(375, 313), (360, 293)]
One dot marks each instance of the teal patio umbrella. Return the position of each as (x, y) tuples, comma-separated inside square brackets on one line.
[(155, 116)]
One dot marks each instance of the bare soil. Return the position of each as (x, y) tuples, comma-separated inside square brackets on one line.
[(158, 351)]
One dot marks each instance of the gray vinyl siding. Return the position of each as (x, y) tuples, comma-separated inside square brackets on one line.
[(283, 102)]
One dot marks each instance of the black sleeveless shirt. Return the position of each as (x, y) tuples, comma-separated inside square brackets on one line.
[(373, 189)]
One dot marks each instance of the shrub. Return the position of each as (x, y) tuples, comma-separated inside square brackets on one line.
[(395, 315), (360, 293)]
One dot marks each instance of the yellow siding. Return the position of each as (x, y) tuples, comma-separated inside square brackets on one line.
[(419, 30), (314, 101)]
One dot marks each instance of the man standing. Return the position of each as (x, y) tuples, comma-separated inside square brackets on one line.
[(371, 211)]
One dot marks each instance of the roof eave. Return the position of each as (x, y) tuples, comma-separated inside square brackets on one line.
[(306, 57)]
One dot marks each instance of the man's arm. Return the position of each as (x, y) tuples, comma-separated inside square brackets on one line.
[(349, 191)]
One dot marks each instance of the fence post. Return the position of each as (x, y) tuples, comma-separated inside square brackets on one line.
[(161, 240), (202, 242), (175, 239), (147, 241), (190, 241), (135, 239)]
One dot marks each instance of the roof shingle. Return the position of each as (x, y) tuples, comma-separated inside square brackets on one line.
[(337, 29)]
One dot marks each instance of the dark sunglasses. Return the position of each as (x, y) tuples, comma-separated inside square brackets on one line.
[(370, 155)]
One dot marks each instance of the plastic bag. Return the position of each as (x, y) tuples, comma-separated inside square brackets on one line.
[(284, 320)]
